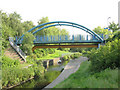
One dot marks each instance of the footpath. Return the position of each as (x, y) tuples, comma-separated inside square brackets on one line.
[(70, 68)]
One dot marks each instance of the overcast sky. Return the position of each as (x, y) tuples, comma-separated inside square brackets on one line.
[(89, 13)]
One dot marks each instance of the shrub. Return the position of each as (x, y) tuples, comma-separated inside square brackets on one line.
[(12, 76), (76, 55), (65, 58), (105, 57), (72, 56), (8, 62)]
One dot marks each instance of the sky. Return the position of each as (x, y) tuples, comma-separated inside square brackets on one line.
[(89, 13)]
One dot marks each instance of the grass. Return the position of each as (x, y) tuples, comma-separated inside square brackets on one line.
[(51, 75), (23, 65), (58, 53), (83, 78)]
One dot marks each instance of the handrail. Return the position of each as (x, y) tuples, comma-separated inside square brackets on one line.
[(17, 48)]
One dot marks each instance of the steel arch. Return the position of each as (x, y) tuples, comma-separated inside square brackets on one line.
[(61, 24)]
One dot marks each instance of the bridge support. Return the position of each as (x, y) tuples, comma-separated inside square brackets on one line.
[(46, 64), (98, 46)]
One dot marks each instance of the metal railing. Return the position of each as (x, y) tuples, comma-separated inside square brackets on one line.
[(17, 48), (65, 38)]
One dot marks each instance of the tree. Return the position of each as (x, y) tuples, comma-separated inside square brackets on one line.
[(15, 23), (43, 20), (28, 25), (114, 27), (103, 31), (27, 43)]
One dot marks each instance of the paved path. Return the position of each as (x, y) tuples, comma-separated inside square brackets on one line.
[(70, 68)]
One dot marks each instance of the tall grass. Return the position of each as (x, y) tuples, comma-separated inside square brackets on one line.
[(83, 78), (58, 53)]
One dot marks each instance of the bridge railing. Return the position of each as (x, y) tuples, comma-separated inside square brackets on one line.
[(64, 38), (17, 48)]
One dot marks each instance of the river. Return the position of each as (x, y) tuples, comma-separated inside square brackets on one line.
[(51, 74)]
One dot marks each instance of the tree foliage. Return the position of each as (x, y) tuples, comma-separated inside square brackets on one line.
[(12, 26), (103, 31), (27, 43), (105, 57), (114, 27)]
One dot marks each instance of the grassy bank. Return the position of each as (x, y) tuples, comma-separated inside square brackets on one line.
[(58, 53), (83, 78)]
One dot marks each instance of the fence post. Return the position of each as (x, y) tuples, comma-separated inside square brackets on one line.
[(51, 38), (54, 38), (66, 37), (93, 37), (47, 38), (60, 37), (73, 37), (87, 37), (80, 37), (40, 38)]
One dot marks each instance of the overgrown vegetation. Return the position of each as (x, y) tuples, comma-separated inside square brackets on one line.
[(8, 62), (12, 71), (83, 78), (101, 71), (72, 56), (51, 75), (105, 57), (12, 74)]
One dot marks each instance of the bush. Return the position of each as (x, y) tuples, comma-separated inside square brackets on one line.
[(76, 55), (12, 76), (51, 75), (105, 57), (65, 58), (72, 56), (8, 62)]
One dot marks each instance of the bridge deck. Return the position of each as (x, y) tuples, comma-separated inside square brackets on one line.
[(55, 42), (65, 46)]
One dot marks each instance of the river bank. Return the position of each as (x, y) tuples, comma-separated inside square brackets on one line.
[(70, 68), (51, 73), (55, 71)]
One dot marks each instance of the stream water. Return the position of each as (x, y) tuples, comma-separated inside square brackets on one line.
[(51, 74)]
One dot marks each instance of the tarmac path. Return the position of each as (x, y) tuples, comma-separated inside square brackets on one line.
[(70, 68)]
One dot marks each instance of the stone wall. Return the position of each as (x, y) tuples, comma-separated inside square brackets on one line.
[(50, 62)]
